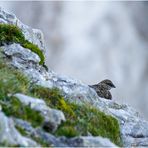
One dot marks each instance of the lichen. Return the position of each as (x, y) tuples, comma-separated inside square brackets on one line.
[(12, 34), (80, 119)]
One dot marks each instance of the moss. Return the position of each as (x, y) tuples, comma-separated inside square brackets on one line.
[(35, 49), (13, 81), (67, 129), (12, 34), (13, 107), (80, 119), (41, 141), (6, 144), (90, 120), (21, 130), (52, 98)]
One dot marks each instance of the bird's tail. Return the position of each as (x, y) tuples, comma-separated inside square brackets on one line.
[(92, 86)]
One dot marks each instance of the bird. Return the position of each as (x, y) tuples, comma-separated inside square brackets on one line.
[(102, 88)]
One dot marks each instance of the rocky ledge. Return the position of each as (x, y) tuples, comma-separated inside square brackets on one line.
[(41, 108)]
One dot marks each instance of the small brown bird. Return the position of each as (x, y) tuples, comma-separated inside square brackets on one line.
[(103, 88)]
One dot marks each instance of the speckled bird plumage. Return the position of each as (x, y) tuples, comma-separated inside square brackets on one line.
[(103, 88)]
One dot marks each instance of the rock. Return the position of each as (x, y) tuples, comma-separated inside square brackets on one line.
[(20, 54), (135, 132), (51, 140), (24, 125), (53, 117), (134, 129), (9, 136), (35, 36), (25, 60), (88, 141)]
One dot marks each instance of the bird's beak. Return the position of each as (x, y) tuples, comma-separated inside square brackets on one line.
[(113, 86)]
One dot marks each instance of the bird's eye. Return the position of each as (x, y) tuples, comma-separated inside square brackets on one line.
[(108, 83)]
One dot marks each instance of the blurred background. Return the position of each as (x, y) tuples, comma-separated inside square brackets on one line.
[(92, 41)]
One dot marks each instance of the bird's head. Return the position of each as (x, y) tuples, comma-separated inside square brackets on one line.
[(107, 84)]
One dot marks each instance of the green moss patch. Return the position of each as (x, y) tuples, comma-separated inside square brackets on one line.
[(13, 107), (12, 34), (11, 82), (80, 119), (21, 130)]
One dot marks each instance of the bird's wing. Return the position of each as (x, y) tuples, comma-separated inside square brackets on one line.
[(108, 95)]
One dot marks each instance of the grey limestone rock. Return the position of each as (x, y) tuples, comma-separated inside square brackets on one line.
[(88, 141), (9, 136), (27, 61), (33, 35), (134, 129), (82, 141), (53, 117), (17, 52)]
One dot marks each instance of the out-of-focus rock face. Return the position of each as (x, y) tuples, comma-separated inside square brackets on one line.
[(96, 40), (134, 131), (133, 127), (10, 136), (81, 141)]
